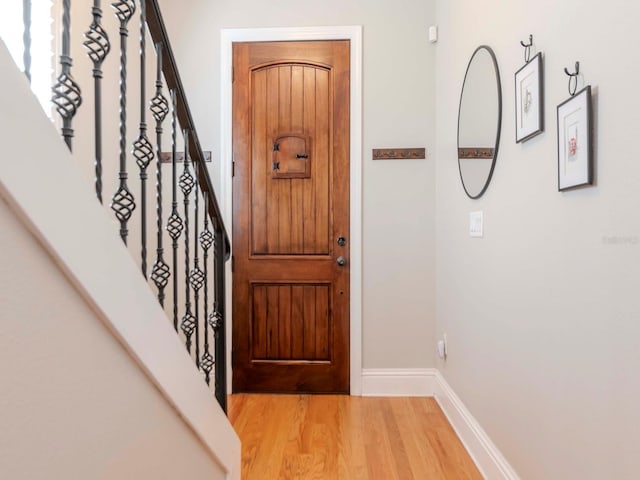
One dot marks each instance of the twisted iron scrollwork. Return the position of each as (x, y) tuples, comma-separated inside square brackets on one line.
[(97, 40), (142, 148), (175, 226), (124, 10), (160, 274), (189, 322), (196, 276), (143, 151), (206, 241), (159, 107), (206, 364), (66, 96), (123, 203), (215, 319), (196, 279), (206, 237), (66, 93), (98, 47), (174, 223), (202, 261), (186, 181), (188, 326)]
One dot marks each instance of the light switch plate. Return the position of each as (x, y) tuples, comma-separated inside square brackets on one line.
[(476, 224), (433, 34)]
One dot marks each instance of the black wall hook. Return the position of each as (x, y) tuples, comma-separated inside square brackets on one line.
[(527, 49), (573, 79)]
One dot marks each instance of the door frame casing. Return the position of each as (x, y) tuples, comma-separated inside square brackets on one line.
[(354, 35)]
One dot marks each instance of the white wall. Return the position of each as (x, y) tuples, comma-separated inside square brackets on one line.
[(73, 403), (399, 264), (542, 313)]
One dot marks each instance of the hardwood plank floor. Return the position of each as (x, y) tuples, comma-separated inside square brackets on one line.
[(330, 437)]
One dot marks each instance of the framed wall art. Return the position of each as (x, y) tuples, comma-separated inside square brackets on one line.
[(529, 100), (575, 142)]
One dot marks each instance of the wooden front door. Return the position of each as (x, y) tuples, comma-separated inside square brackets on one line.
[(291, 217)]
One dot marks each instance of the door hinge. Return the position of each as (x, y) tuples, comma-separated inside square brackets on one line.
[(233, 168), (233, 74), (233, 263)]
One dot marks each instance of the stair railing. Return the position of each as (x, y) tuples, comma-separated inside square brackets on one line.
[(197, 238)]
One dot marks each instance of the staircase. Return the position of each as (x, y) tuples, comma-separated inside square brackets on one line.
[(139, 248)]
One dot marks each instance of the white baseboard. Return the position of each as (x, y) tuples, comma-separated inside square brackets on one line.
[(482, 450), (392, 382), (429, 382)]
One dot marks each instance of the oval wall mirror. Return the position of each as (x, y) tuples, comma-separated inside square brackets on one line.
[(479, 121)]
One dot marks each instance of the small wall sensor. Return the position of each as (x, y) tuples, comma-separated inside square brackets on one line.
[(433, 34)]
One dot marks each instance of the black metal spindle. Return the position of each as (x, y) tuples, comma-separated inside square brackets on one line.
[(123, 203), (188, 323), (26, 37), (210, 236), (159, 108), (142, 148), (217, 318), (206, 240), (196, 277), (98, 47), (66, 92), (174, 223)]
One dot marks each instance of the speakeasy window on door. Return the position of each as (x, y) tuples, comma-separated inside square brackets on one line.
[(291, 158)]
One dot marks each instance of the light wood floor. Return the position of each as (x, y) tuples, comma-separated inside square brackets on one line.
[(327, 437)]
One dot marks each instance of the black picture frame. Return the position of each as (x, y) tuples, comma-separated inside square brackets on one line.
[(575, 141), (529, 99)]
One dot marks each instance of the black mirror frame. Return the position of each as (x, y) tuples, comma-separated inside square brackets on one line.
[(499, 128)]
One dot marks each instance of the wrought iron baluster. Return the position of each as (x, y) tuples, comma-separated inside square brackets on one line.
[(66, 92), (142, 148), (206, 240), (159, 108), (98, 47), (188, 324), (196, 277), (174, 223), (123, 203), (217, 318), (26, 38)]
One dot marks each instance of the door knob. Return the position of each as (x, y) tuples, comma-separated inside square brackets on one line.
[(341, 261)]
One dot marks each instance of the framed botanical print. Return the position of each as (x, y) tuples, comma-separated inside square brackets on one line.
[(529, 100), (575, 142)]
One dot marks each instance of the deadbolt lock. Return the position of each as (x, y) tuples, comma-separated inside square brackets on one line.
[(342, 241)]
